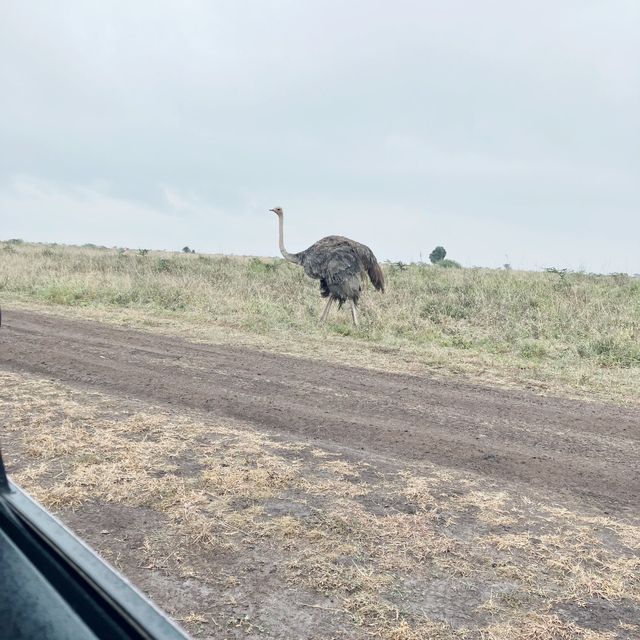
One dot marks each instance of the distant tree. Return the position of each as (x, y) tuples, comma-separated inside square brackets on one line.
[(186, 250), (437, 255), (449, 264)]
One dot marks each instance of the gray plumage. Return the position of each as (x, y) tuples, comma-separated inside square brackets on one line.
[(340, 264)]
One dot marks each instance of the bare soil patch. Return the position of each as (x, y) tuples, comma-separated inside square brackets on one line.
[(571, 447)]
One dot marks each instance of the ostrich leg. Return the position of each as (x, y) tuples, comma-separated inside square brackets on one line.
[(354, 313), (325, 313)]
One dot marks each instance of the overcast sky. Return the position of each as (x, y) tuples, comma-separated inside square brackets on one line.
[(505, 130)]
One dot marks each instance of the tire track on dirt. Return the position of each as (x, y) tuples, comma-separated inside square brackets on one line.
[(586, 451)]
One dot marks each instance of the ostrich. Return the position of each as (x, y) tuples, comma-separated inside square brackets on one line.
[(340, 264)]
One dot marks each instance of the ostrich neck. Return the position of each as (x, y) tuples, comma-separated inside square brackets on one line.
[(287, 256)]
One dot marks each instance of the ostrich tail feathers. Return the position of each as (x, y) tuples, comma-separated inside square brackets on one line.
[(376, 275)]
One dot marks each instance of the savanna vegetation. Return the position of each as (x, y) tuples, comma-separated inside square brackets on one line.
[(554, 331), (239, 532)]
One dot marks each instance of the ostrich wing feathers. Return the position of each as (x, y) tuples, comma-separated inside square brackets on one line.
[(339, 263)]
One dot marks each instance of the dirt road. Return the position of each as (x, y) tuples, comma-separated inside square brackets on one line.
[(586, 452)]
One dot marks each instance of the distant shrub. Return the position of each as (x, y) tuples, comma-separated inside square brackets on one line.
[(143, 252), (437, 255), (449, 264)]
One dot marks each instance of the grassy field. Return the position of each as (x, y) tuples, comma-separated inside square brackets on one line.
[(568, 333)]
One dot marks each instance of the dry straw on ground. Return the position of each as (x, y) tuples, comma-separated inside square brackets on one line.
[(371, 549)]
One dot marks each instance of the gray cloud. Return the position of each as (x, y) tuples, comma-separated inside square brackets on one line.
[(494, 128)]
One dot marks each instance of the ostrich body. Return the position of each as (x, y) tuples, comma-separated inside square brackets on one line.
[(340, 264)]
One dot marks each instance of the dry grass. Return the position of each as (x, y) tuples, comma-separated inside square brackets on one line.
[(395, 553), (576, 334)]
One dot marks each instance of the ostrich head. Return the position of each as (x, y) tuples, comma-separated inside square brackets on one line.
[(277, 211)]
